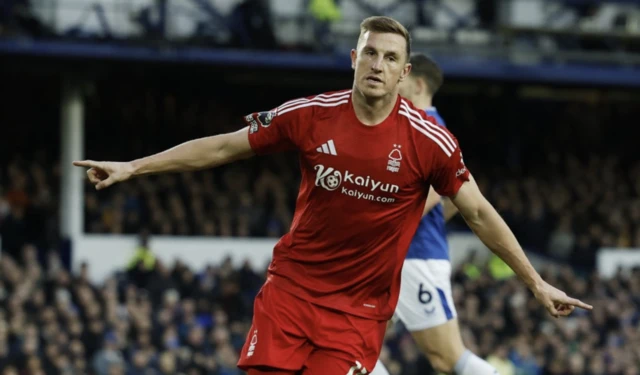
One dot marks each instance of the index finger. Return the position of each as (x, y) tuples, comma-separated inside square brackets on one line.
[(86, 163), (577, 303)]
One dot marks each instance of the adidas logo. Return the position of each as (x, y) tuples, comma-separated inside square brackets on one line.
[(327, 148)]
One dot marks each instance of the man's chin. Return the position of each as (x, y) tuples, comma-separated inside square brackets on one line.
[(373, 92)]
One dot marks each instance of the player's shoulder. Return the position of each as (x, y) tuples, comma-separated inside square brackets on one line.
[(425, 128), (315, 105)]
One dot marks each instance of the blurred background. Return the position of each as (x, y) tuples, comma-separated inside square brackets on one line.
[(158, 275)]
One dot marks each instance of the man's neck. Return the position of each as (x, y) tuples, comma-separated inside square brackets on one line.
[(423, 102), (372, 111)]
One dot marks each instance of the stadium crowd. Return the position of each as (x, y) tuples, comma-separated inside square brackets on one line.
[(566, 181), (564, 173), (155, 318), (567, 186)]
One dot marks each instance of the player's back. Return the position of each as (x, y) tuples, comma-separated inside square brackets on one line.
[(430, 239), (361, 197)]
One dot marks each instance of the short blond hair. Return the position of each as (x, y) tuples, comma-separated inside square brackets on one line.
[(383, 24)]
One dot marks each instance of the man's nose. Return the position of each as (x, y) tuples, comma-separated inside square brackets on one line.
[(377, 65)]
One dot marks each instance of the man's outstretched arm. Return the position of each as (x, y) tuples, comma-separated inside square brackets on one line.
[(193, 155), (487, 224)]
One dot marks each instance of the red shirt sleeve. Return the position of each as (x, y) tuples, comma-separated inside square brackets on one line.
[(449, 172), (273, 131)]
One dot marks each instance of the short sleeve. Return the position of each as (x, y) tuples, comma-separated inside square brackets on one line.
[(449, 173), (271, 131)]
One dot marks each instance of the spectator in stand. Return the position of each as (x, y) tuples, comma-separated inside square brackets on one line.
[(194, 321), (565, 206)]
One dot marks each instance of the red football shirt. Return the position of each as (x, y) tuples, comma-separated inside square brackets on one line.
[(361, 197)]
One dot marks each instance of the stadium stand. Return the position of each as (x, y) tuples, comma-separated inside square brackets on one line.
[(569, 205), (565, 181), (542, 96), (169, 319)]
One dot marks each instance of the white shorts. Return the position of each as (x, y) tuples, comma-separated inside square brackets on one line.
[(425, 294)]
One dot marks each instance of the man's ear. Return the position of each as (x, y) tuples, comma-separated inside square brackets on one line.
[(405, 72), (354, 55)]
